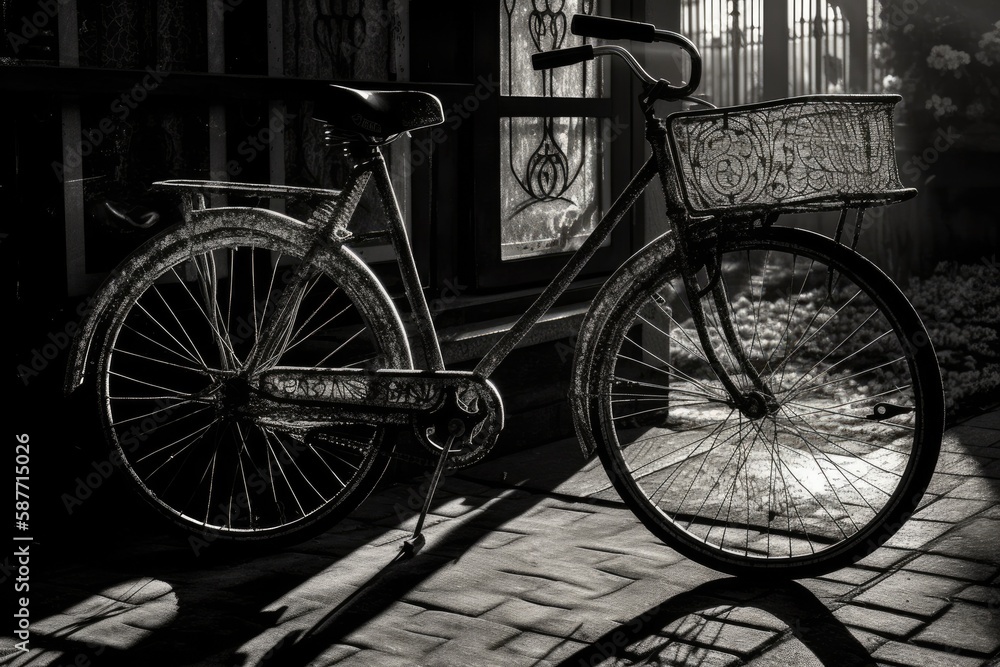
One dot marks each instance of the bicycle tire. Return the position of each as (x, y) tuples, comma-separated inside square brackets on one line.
[(823, 480), (172, 395)]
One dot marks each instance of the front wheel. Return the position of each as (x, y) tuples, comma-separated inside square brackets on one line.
[(200, 318), (832, 458)]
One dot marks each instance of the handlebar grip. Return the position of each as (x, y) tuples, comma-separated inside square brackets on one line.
[(562, 57), (602, 27)]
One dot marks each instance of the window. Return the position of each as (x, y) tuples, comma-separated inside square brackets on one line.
[(519, 181), (551, 168), (556, 137), (139, 111)]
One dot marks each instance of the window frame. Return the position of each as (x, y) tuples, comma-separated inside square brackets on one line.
[(492, 273)]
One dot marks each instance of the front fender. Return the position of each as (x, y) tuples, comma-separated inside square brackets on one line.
[(654, 257), (118, 288)]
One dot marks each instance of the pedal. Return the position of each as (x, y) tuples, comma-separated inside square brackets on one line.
[(887, 411)]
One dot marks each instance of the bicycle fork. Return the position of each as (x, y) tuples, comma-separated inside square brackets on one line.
[(760, 400), (756, 402)]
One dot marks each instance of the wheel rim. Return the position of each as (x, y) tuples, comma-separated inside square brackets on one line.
[(177, 391), (809, 477)]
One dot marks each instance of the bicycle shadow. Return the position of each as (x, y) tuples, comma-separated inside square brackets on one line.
[(387, 586), (683, 618), (220, 610), (638, 640), (208, 607)]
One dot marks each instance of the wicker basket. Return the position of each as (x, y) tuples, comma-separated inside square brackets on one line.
[(808, 153)]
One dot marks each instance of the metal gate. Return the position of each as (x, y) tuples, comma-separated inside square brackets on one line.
[(814, 46), (729, 34), (819, 40)]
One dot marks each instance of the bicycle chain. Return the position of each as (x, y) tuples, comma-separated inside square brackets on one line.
[(456, 459)]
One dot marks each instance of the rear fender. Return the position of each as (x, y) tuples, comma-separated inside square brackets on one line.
[(121, 286)]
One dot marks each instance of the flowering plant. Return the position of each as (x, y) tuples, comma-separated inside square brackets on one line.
[(945, 64)]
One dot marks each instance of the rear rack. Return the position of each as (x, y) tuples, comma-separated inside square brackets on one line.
[(289, 192)]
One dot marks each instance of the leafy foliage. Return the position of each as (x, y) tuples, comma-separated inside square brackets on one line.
[(960, 306)]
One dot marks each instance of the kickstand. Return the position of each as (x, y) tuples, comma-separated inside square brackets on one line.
[(413, 544)]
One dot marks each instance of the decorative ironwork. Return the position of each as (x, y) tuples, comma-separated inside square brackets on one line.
[(807, 153), (341, 32), (817, 36), (544, 172)]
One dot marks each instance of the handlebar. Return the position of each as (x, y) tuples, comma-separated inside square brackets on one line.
[(602, 27), (562, 57)]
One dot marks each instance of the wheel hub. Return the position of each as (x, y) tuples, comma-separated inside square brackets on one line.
[(757, 405), (234, 394)]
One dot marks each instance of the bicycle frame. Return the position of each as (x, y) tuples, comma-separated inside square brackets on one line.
[(249, 400), (376, 166), (334, 220)]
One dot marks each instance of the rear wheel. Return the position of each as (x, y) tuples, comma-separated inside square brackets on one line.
[(176, 384), (806, 480)]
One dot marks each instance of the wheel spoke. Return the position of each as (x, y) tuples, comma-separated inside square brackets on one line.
[(800, 471), (178, 370), (192, 353)]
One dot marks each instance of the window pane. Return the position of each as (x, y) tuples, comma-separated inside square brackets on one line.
[(533, 26), (550, 184), (165, 35)]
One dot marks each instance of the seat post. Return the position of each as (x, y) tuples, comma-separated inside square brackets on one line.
[(407, 265)]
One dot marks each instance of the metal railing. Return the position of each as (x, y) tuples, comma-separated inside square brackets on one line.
[(729, 34), (828, 46)]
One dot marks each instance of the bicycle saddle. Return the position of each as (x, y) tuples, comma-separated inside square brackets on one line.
[(373, 116)]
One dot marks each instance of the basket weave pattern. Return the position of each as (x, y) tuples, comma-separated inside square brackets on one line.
[(808, 153)]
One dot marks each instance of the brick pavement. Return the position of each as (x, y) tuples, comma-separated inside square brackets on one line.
[(531, 560)]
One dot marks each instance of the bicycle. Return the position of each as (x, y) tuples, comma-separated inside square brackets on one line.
[(763, 398)]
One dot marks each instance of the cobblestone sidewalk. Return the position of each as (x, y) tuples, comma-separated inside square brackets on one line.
[(532, 560)]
